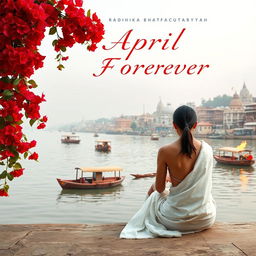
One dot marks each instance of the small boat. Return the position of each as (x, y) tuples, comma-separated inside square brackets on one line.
[(96, 134), (103, 146), (215, 136), (154, 136), (240, 157), (145, 175), (96, 181), (67, 139)]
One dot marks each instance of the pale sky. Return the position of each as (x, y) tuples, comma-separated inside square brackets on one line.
[(226, 42)]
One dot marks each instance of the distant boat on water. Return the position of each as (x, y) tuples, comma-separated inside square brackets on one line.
[(70, 139), (154, 136), (215, 136), (103, 146), (95, 134)]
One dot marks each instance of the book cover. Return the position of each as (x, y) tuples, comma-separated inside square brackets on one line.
[(153, 58)]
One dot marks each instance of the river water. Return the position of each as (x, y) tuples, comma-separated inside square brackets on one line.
[(36, 197)]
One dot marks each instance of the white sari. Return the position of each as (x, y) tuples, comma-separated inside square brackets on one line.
[(189, 207)]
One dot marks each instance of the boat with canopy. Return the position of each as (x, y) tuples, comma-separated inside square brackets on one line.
[(95, 178), (68, 139), (103, 146), (234, 156)]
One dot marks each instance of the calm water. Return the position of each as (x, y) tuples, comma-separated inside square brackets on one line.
[(36, 197)]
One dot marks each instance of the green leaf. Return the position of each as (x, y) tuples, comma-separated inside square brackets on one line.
[(3, 175), (60, 67), (25, 155), (32, 121), (5, 79), (50, 2), (2, 123), (17, 166), (52, 31), (16, 81), (14, 158), (7, 94), (58, 57), (33, 83), (25, 137), (88, 13), (54, 42), (6, 187), (2, 163), (19, 122), (12, 148), (63, 48), (9, 118), (9, 176)]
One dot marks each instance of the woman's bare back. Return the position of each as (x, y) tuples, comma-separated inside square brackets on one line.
[(179, 165)]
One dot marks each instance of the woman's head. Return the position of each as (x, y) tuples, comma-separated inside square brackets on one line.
[(185, 119)]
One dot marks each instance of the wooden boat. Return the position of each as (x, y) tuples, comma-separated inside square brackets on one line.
[(154, 136), (67, 139), (241, 157), (96, 181), (103, 146), (145, 175)]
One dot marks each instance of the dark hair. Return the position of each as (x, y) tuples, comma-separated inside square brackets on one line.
[(185, 118)]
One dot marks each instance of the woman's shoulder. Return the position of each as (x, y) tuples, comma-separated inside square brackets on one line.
[(171, 148)]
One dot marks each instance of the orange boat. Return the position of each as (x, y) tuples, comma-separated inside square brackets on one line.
[(240, 157), (96, 181), (145, 175)]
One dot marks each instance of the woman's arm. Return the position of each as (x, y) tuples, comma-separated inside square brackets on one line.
[(161, 172)]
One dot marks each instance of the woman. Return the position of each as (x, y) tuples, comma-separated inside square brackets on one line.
[(189, 206)]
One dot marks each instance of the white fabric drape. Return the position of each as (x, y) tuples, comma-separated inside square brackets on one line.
[(189, 207)]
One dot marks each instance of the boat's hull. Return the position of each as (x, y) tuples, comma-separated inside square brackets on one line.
[(229, 161), (145, 175), (70, 141), (106, 183), (103, 150)]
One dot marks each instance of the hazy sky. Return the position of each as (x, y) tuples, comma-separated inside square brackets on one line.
[(226, 42)]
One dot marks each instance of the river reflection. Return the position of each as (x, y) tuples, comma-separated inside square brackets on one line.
[(234, 169), (90, 195), (245, 174)]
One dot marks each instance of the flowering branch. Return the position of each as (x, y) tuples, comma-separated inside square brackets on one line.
[(22, 28)]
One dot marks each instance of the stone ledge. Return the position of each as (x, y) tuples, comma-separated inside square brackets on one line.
[(103, 240)]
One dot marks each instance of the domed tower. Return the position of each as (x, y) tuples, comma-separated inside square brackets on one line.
[(162, 117), (160, 106), (236, 102), (245, 95), (234, 116)]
